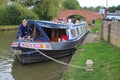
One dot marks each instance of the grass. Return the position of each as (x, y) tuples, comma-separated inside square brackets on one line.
[(8, 26), (97, 25), (106, 60)]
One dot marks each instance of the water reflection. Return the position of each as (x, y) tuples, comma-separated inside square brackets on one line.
[(11, 69), (5, 69), (41, 71), (6, 58)]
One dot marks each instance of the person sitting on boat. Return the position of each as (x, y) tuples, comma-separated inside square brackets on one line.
[(23, 30), (77, 21), (64, 38)]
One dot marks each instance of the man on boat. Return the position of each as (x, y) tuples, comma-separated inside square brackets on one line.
[(23, 30)]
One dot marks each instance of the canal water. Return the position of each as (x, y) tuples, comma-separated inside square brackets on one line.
[(11, 69)]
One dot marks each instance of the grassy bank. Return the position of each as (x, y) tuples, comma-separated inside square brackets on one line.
[(8, 27), (106, 60), (96, 26)]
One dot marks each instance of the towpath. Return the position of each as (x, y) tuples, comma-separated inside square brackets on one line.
[(91, 38)]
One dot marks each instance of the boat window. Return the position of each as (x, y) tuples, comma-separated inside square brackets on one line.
[(84, 28), (54, 34), (51, 33), (80, 30), (38, 34), (34, 32), (31, 29), (73, 32), (63, 32), (77, 30), (63, 35), (47, 31)]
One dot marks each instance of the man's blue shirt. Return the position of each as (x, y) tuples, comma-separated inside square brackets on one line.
[(22, 31)]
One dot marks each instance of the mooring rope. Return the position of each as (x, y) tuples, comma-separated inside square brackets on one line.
[(60, 62)]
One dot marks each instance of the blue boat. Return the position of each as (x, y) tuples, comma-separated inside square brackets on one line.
[(53, 39)]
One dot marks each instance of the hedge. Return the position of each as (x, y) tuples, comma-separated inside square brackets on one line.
[(14, 14)]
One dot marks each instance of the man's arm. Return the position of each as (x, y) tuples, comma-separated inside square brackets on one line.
[(20, 31)]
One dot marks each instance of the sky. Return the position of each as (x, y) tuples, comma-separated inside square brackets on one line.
[(95, 3)]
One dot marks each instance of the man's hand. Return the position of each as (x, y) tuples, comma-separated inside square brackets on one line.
[(19, 38), (28, 37)]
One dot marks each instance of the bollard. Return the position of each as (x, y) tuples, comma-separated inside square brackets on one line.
[(97, 32), (95, 37), (89, 64)]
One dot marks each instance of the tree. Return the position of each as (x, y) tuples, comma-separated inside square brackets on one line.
[(27, 3), (95, 9), (118, 7), (14, 14), (71, 4), (98, 8), (112, 9), (47, 9), (3, 1)]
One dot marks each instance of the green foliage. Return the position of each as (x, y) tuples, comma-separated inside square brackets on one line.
[(106, 62), (71, 4), (96, 26), (76, 17), (90, 8), (112, 9), (96, 9), (3, 2), (27, 3), (2, 14), (8, 27), (26, 13), (47, 9), (14, 14), (118, 7)]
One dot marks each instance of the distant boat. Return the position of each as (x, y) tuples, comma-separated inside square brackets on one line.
[(53, 39)]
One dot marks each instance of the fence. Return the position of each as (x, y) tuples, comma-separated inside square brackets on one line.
[(110, 31)]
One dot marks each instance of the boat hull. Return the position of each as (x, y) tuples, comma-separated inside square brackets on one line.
[(37, 57), (26, 55)]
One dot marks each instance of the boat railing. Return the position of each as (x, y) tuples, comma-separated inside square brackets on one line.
[(25, 39)]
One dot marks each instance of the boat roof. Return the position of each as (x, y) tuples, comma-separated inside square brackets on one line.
[(48, 24), (51, 24)]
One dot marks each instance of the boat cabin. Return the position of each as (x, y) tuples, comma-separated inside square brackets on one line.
[(47, 31)]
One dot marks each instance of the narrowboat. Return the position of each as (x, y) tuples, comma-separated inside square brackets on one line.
[(51, 38)]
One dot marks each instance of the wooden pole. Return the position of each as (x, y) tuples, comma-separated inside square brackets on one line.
[(109, 31), (101, 31)]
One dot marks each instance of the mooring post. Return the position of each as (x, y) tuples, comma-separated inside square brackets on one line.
[(89, 64), (109, 33), (101, 31)]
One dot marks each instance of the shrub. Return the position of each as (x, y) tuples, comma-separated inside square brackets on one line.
[(14, 14)]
